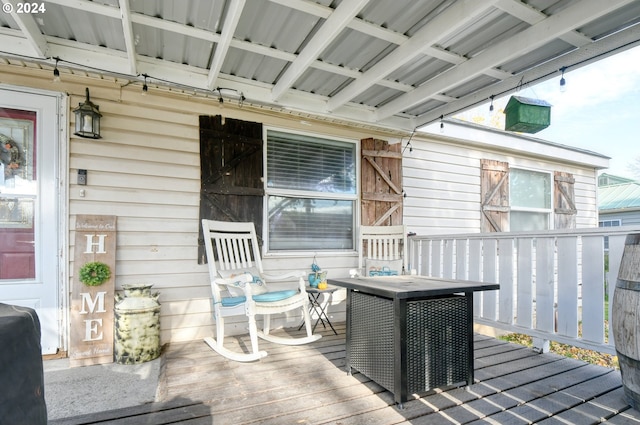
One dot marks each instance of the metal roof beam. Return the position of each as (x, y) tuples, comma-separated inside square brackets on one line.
[(331, 28), (519, 44), (458, 15)]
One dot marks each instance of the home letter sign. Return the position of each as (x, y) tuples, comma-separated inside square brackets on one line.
[(92, 294)]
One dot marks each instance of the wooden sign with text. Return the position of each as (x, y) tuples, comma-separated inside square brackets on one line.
[(91, 339)]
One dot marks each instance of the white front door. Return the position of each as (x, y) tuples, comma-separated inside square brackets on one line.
[(30, 247)]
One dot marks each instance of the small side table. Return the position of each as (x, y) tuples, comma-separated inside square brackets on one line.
[(320, 306)]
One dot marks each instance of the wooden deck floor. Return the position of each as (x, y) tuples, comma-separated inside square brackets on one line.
[(309, 385)]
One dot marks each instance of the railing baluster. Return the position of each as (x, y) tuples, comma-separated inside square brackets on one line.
[(593, 288), (505, 275), (489, 274), (545, 285), (447, 259), (475, 272), (461, 258), (436, 254), (524, 298), (568, 286)]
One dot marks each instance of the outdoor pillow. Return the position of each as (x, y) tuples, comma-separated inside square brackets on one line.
[(382, 267), (239, 278)]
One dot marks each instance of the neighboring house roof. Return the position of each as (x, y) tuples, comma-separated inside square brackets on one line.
[(609, 179), (620, 196)]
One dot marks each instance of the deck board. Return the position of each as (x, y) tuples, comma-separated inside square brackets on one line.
[(309, 385)]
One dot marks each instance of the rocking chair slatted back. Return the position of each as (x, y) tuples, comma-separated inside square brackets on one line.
[(235, 248), (383, 243)]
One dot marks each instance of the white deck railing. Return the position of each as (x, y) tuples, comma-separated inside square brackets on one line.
[(552, 284)]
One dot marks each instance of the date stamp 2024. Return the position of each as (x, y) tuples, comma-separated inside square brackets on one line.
[(24, 8)]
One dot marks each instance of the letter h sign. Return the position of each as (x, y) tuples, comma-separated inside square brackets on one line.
[(92, 244)]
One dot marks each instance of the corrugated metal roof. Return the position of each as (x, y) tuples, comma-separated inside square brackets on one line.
[(394, 63), (619, 196)]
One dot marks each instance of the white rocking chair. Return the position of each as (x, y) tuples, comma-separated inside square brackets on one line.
[(237, 286)]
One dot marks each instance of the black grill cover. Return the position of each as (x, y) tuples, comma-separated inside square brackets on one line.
[(21, 376)]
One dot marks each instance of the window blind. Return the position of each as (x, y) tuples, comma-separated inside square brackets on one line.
[(311, 164)]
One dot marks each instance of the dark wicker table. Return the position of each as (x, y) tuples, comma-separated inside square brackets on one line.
[(411, 334)]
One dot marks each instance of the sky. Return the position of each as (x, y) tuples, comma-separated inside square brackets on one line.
[(599, 110)]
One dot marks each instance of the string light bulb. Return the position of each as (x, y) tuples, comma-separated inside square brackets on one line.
[(220, 98), (145, 88), (491, 105), (563, 82), (56, 72), (441, 124)]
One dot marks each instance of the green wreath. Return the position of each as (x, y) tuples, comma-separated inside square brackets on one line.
[(95, 273)]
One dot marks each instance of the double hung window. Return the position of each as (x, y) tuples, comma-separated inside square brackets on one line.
[(530, 194), (311, 192)]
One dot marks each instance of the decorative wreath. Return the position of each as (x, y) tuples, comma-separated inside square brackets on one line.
[(94, 274)]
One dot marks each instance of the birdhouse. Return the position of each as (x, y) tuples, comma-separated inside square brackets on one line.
[(526, 115)]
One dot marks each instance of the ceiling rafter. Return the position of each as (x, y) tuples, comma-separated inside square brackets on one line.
[(312, 8), (525, 41), (307, 7), (89, 6), (527, 14), (456, 16), (127, 30), (175, 27), (30, 30), (611, 45), (383, 34), (228, 28), (329, 30), (249, 58)]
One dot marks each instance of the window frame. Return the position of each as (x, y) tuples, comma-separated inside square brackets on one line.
[(307, 194), (610, 221), (549, 211)]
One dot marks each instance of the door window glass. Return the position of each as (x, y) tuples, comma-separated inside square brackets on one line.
[(18, 194)]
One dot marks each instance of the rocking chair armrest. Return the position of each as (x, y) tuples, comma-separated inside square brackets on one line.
[(246, 289), (297, 274), (284, 276)]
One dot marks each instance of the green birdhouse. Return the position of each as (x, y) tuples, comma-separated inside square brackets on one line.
[(526, 115)]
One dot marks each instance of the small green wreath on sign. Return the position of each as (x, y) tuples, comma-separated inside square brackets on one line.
[(94, 274)]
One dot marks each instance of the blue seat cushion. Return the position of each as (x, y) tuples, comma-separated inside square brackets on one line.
[(265, 298), (275, 295), (232, 301)]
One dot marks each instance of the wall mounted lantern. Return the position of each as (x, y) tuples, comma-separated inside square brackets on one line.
[(87, 119)]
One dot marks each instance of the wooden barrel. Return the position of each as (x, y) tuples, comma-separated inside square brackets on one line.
[(625, 311)]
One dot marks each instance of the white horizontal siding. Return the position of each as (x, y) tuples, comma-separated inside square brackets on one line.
[(442, 184), (146, 171)]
